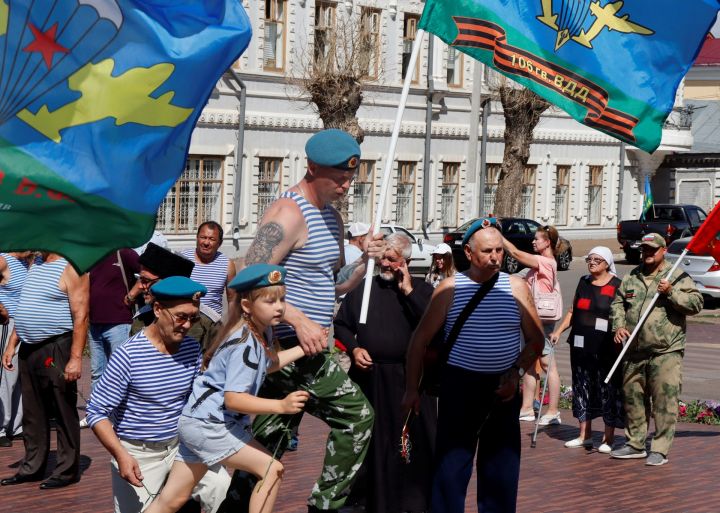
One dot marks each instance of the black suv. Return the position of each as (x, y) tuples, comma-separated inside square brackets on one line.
[(520, 232)]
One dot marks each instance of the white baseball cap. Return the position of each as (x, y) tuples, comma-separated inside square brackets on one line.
[(358, 229), (442, 249)]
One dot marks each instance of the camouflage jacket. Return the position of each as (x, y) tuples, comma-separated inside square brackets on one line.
[(203, 331), (665, 327)]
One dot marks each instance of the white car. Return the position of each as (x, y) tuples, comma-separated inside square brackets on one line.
[(704, 270), (421, 251)]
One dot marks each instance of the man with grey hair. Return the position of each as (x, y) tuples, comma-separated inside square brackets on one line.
[(397, 302)]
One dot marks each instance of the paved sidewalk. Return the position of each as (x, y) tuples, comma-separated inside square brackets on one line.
[(553, 478)]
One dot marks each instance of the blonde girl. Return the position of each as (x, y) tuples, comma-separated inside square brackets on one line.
[(215, 424)]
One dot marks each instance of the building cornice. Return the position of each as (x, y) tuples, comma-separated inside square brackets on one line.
[(305, 123)]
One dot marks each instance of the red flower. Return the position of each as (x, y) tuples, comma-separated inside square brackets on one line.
[(49, 362), (683, 410)]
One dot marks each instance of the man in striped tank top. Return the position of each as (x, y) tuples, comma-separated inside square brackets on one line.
[(478, 403), (51, 322), (13, 271), (302, 232), (135, 407), (212, 268)]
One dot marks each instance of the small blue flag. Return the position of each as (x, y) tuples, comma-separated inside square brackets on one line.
[(647, 199)]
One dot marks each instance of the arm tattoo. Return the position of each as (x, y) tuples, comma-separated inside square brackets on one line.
[(266, 239)]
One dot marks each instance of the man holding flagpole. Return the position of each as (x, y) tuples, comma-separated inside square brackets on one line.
[(652, 369), (302, 232)]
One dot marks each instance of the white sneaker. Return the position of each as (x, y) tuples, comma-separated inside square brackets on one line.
[(579, 442), (605, 448), (83, 423), (547, 420), (527, 416)]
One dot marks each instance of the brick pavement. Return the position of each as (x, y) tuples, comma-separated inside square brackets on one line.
[(553, 479)]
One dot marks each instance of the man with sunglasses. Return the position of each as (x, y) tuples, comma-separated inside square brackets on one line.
[(652, 369), (157, 263), (135, 407)]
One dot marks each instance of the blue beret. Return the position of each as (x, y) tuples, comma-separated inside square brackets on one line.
[(333, 148), (483, 222), (178, 287), (257, 276)]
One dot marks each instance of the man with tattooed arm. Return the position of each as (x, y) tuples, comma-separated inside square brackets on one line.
[(302, 232)]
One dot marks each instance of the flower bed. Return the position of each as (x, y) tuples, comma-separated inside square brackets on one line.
[(698, 412), (701, 412)]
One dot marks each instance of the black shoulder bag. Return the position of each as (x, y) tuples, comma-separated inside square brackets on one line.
[(438, 351)]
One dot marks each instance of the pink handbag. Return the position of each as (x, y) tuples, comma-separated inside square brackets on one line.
[(548, 304)]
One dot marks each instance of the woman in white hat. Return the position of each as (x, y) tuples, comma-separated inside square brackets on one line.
[(443, 265), (592, 351)]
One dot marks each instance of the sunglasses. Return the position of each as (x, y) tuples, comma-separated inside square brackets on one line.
[(182, 318), (146, 281), (594, 260)]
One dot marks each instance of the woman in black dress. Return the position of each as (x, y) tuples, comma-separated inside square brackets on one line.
[(592, 351)]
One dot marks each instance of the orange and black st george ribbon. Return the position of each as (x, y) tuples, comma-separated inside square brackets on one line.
[(474, 32)]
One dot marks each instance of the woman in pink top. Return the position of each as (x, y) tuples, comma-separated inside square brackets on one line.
[(543, 277)]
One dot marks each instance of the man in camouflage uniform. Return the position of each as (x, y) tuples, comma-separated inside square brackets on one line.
[(303, 232), (652, 370)]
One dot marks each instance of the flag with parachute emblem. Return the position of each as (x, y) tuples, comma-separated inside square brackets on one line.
[(612, 65), (98, 100)]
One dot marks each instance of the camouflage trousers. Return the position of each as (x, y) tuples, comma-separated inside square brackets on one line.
[(336, 400), (652, 387)]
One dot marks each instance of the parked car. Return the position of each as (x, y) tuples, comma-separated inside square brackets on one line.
[(421, 251), (704, 270), (520, 232), (671, 221)]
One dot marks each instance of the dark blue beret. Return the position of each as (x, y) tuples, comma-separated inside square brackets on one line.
[(257, 276), (484, 222), (178, 287), (333, 148)]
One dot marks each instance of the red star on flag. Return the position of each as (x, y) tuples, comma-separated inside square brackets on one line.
[(45, 43)]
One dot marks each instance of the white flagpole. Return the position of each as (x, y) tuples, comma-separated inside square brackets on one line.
[(642, 319), (389, 159)]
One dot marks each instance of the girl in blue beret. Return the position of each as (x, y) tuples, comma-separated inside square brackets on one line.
[(215, 425)]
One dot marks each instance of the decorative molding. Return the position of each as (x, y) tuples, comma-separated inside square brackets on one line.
[(264, 120)]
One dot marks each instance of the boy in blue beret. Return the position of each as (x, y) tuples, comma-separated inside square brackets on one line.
[(215, 424), (135, 406)]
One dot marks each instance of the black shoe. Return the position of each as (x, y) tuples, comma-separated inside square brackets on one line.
[(18, 479), (54, 482), (5, 441)]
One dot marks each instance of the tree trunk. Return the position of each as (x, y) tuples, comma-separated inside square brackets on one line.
[(522, 109), (337, 99)]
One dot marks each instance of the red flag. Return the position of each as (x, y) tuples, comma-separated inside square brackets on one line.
[(705, 241)]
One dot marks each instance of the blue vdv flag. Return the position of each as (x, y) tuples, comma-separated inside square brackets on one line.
[(612, 65), (648, 201), (98, 99)]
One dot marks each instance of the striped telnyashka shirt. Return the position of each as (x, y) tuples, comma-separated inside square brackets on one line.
[(10, 292), (213, 276), (310, 282), (489, 342), (43, 310), (143, 391)]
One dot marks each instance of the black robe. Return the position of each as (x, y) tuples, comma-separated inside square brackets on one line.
[(388, 484)]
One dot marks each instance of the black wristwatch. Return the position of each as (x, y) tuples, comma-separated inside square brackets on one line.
[(520, 370)]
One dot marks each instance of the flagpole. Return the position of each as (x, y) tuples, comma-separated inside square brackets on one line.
[(389, 159), (642, 319)]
